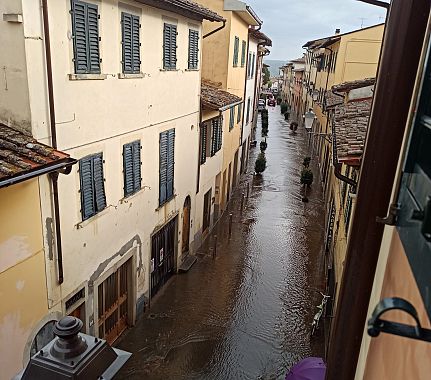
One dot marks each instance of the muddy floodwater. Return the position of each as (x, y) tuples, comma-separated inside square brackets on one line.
[(245, 313)]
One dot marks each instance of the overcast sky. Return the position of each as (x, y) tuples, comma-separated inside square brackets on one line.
[(291, 23)]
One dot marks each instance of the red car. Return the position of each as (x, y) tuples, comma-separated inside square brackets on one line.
[(272, 102)]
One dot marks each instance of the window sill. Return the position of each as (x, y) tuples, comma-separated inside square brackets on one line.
[(91, 219), (166, 202), (130, 76), (169, 69), (87, 76), (191, 69), (129, 197)]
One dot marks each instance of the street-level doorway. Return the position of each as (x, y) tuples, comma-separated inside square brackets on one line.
[(185, 241), (163, 255), (114, 298)]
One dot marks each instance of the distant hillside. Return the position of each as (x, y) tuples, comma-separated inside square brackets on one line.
[(274, 66)]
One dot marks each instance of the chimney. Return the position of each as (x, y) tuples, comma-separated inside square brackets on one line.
[(337, 31)]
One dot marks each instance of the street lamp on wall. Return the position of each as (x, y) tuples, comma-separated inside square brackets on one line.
[(309, 119)]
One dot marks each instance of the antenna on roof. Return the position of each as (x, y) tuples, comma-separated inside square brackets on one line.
[(362, 21)]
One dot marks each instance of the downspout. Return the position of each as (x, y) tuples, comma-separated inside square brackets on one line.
[(214, 31), (400, 56), (54, 176)]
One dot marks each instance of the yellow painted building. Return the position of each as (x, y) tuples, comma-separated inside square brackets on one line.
[(330, 62)]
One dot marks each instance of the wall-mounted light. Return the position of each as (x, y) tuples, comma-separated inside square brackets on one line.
[(376, 325)]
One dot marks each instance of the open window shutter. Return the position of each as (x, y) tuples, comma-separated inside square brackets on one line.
[(193, 48), (93, 38), (173, 49), (203, 132), (128, 168), (243, 51), (87, 190), (136, 45), (220, 132), (171, 164), (163, 166), (214, 137), (99, 185), (231, 117), (239, 113), (126, 21), (136, 145), (80, 42)]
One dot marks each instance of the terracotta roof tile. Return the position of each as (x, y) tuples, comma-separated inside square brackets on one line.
[(21, 154), (332, 100), (347, 86), (260, 36), (350, 129), (215, 98)]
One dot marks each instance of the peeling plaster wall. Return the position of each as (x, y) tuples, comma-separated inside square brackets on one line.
[(14, 97)]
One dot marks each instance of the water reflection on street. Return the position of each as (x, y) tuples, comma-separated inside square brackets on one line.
[(246, 313)]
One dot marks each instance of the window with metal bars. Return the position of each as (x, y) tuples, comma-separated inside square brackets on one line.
[(193, 49), (216, 135), (243, 53), (235, 52), (132, 167), (85, 35), (93, 199), (170, 46), (166, 166), (130, 30)]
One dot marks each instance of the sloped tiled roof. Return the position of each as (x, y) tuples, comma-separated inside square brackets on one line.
[(258, 35), (332, 100), (21, 156), (215, 98), (352, 85), (185, 7), (350, 129)]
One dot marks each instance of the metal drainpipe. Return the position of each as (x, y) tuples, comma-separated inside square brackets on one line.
[(54, 176), (400, 56), (214, 31)]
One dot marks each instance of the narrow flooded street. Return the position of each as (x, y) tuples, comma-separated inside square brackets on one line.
[(245, 313)]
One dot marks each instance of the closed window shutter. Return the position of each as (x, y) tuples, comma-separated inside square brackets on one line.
[(214, 138), (87, 190), (163, 166), (252, 65), (128, 169), (243, 51), (93, 38), (126, 21), (169, 46), (219, 123), (99, 185), (136, 145), (235, 51), (203, 142), (171, 164), (79, 16), (136, 45), (248, 110), (239, 113), (231, 117), (193, 49)]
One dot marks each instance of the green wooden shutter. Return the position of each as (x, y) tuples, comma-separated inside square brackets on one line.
[(193, 49), (231, 117), (169, 46), (170, 164), (235, 51), (126, 28), (248, 110), (93, 38), (87, 190), (99, 183), (137, 180), (203, 143), (214, 137), (239, 113), (131, 45), (243, 52), (219, 122), (128, 169), (163, 166), (252, 65)]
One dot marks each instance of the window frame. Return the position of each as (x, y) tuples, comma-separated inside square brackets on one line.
[(133, 18), (243, 53)]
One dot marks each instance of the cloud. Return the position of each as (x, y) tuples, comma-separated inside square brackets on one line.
[(291, 23)]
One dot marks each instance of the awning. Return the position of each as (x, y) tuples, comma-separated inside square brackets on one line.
[(23, 158)]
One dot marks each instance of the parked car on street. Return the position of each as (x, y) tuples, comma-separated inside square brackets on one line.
[(261, 105)]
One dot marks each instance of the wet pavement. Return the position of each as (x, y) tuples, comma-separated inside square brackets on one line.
[(246, 312)]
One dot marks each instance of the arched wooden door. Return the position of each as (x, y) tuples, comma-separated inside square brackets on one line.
[(186, 226)]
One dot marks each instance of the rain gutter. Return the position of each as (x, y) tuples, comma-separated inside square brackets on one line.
[(377, 3), (225, 108), (400, 56), (215, 30)]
